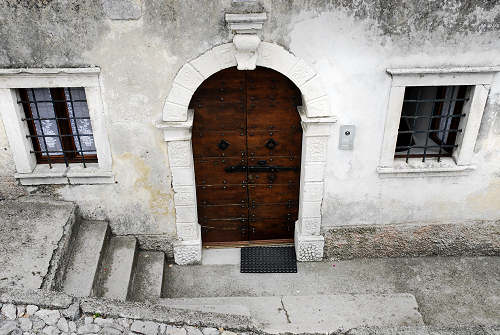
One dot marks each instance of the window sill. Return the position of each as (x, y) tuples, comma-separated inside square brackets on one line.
[(60, 174), (416, 168)]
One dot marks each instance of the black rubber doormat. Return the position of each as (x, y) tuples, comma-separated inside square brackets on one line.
[(268, 260)]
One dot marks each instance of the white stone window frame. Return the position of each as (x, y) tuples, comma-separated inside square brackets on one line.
[(316, 120), (462, 160), (28, 172)]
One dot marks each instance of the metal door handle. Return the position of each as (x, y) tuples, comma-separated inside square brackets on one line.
[(259, 168)]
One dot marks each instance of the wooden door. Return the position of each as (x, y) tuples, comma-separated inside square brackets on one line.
[(247, 145)]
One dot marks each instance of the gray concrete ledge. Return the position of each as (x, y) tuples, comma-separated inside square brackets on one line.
[(474, 238), (42, 298), (155, 311)]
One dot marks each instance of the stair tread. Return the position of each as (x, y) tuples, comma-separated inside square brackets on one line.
[(148, 279), (84, 260), (117, 267)]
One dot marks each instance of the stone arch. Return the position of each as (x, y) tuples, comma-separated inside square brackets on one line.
[(316, 120), (270, 55)]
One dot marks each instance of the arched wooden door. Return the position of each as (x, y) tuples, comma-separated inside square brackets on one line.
[(247, 142)]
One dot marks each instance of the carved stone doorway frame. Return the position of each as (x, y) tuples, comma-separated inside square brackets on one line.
[(316, 121)]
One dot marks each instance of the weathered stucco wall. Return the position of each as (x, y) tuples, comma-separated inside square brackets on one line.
[(349, 43)]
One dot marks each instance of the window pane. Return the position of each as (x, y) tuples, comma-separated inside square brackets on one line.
[(80, 125), (42, 108)]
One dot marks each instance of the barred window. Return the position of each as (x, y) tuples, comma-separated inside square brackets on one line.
[(430, 121), (59, 124)]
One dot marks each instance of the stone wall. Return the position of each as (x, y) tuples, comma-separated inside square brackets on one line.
[(413, 240), (51, 313), (140, 45), (31, 319)]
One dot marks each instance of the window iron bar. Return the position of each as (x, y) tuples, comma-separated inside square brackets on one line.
[(59, 151), (429, 146), (437, 100), (41, 129), (45, 101), (56, 118), (62, 135), (417, 108), (429, 125), (432, 117), (76, 127), (450, 112), (59, 128), (429, 131)]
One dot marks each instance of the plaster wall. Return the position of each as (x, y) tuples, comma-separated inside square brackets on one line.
[(349, 44)]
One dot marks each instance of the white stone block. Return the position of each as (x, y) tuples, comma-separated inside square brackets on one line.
[(312, 89), (315, 148), (314, 172), (275, 57), (186, 214), (182, 176), (214, 60), (174, 112), (310, 209), (310, 226), (187, 252), (318, 108), (309, 248), (180, 153), (180, 95), (184, 189), (177, 134), (187, 231), (184, 198), (301, 72), (312, 191), (188, 77), (317, 129)]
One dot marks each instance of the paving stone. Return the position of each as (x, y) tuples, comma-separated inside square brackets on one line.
[(63, 326), (50, 317), (110, 331), (9, 311), (8, 327), (145, 327), (21, 310), (25, 324), (51, 330), (172, 330), (125, 323), (106, 322), (72, 312), (72, 326), (31, 310), (210, 331), (193, 331), (38, 323), (89, 328)]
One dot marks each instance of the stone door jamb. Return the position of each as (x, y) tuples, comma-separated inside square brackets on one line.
[(316, 120)]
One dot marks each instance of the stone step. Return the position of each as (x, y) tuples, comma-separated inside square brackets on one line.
[(117, 268), (148, 275), (81, 273), (314, 314)]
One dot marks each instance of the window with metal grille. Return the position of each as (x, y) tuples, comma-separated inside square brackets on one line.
[(59, 124), (430, 121)]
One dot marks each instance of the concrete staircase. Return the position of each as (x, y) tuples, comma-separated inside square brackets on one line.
[(112, 267)]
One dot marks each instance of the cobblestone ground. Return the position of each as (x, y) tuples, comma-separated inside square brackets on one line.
[(30, 319)]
